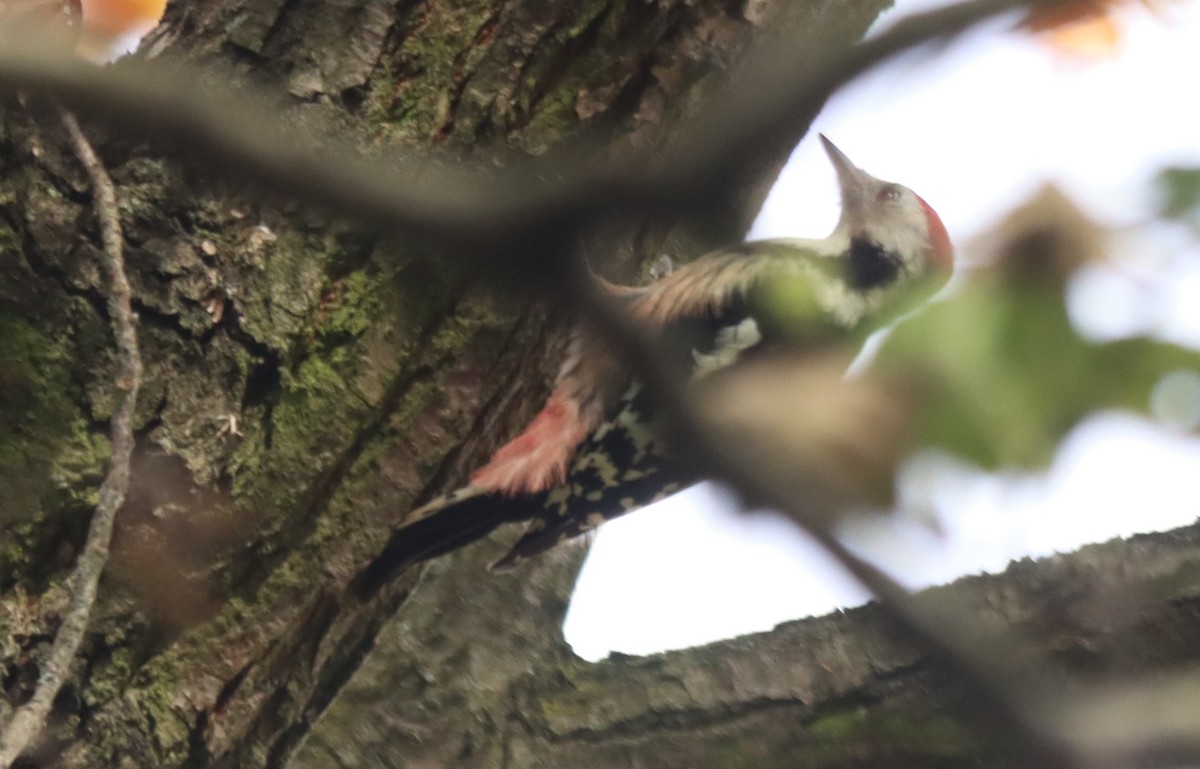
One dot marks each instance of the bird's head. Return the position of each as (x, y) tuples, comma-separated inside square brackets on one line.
[(892, 232)]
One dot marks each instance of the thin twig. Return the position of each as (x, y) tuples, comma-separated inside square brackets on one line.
[(28, 720)]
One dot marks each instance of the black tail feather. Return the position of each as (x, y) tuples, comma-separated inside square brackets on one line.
[(443, 531)]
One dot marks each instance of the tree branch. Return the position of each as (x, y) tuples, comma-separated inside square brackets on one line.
[(28, 720), (241, 139)]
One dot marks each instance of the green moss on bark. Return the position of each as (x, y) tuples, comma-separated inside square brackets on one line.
[(50, 461)]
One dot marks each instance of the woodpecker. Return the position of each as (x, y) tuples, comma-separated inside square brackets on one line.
[(591, 454)]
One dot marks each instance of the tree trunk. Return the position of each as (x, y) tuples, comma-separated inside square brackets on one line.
[(306, 380), (491, 683)]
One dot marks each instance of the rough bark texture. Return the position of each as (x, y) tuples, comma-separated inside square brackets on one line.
[(305, 380), (491, 684)]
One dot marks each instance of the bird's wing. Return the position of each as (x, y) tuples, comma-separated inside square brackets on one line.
[(716, 280), (689, 305)]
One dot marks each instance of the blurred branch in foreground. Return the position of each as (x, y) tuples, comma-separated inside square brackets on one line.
[(769, 107)]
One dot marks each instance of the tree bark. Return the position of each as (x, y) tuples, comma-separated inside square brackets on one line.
[(492, 683), (306, 380)]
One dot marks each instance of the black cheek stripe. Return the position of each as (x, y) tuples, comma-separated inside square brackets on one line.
[(869, 266)]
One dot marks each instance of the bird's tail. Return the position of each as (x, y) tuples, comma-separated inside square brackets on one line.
[(444, 525)]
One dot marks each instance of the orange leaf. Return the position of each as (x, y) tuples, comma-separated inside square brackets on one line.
[(115, 18), (1094, 39), (1084, 28)]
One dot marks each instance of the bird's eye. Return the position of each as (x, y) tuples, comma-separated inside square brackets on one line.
[(889, 193)]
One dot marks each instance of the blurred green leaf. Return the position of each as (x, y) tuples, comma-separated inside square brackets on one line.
[(1179, 193), (1003, 376)]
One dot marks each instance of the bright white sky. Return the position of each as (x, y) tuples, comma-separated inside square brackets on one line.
[(974, 131)]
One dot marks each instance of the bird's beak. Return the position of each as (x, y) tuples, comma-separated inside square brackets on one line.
[(857, 185)]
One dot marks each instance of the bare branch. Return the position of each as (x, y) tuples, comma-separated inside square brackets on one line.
[(29, 720), (769, 107)]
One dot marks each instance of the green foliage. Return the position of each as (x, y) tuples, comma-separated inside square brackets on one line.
[(1001, 376), (789, 304), (1179, 194)]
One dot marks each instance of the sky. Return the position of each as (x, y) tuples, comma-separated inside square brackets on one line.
[(975, 130)]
